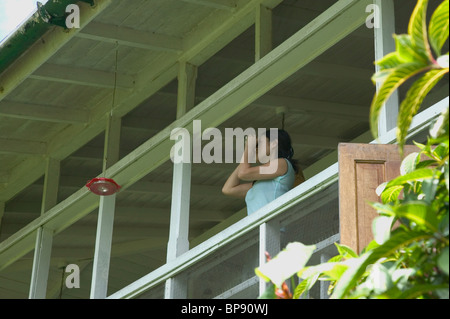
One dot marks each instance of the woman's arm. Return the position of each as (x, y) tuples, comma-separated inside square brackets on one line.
[(249, 173), (233, 186), (278, 166)]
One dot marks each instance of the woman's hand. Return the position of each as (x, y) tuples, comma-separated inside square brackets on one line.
[(250, 150)]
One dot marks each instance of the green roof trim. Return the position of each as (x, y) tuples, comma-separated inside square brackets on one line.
[(47, 16)]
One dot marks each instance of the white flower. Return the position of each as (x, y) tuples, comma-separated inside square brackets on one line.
[(442, 61)]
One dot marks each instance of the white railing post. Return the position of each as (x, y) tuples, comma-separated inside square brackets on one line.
[(176, 287), (269, 241), (103, 240), (384, 44), (44, 237)]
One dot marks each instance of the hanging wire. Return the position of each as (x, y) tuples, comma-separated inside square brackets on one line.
[(113, 101), (115, 78)]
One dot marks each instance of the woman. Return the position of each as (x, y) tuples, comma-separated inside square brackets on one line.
[(260, 185)]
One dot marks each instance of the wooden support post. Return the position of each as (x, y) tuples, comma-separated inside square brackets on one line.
[(324, 284), (176, 287), (187, 76), (384, 44), (2, 212), (44, 238), (269, 241), (263, 32), (103, 242)]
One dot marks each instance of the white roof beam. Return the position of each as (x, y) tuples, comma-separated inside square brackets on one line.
[(45, 48), (229, 5), (37, 112), (131, 37), (321, 108), (25, 147), (80, 76), (296, 105)]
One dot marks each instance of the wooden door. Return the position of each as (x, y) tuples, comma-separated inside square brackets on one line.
[(362, 168)]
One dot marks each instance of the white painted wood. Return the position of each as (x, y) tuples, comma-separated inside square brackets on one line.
[(269, 241), (14, 146), (44, 238), (326, 109), (324, 284), (217, 4), (181, 187), (44, 113), (41, 263), (263, 32), (187, 76), (130, 37), (238, 288), (2, 212), (179, 216), (42, 50), (103, 242), (384, 44), (105, 224), (112, 141), (51, 185), (82, 76)]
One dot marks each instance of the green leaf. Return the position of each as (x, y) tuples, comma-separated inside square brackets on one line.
[(409, 163), (400, 276), (336, 272), (413, 101), (371, 246), (420, 213), (446, 172), (440, 127), (444, 225), (439, 27), (417, 28), (379, 279), (429, 188), (269, 293), (381, 228), (417, 175), (380, 189), (408, 52), (288, 262), (346, 251), (383, 208), (397, 241), (419, 290), (389, 61), (300, 289), (397, 77), (443, 260), (391, 194)]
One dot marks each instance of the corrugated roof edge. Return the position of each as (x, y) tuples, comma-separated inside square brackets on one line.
[(49, 15)]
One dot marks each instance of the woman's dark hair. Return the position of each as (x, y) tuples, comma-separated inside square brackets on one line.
[(285, 149)]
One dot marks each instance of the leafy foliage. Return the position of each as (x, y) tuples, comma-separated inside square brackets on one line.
[(409, 256), (413, 56)]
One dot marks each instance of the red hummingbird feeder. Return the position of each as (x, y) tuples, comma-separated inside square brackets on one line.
[(103, 186)]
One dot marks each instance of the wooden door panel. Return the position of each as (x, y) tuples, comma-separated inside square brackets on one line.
[(362, 168)]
